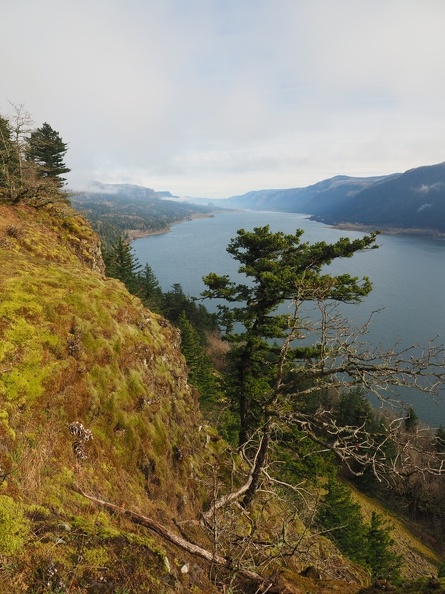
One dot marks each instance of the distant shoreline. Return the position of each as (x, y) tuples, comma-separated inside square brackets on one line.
[(416, 232), (134, 234)]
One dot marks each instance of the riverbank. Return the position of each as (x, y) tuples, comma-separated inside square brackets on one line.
[(417, 232), (134, 234)]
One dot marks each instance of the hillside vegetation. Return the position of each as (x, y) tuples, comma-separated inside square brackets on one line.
[(413, 202), (78, 349), (116, 210)]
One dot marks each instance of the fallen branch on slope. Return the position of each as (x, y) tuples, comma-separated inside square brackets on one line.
[(173, 538)]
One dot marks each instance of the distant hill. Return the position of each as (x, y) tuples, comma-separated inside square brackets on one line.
[(414, 200), (117, 209)]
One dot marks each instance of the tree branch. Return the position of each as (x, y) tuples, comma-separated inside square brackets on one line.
[(179, 541)]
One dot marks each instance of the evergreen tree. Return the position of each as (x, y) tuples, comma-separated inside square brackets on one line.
[(176, 301), (47, 150), (279, 268), (9, 163), (383, 562), (149, 289), (282, 359), (120, 263), (411, 420), (200, 367), (341, 518)]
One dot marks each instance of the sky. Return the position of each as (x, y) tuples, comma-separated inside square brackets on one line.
[(214, 98)]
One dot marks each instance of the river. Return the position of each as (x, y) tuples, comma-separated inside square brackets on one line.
[(407, 273)]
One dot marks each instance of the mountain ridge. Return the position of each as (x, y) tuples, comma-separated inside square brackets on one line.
[(411, 200)]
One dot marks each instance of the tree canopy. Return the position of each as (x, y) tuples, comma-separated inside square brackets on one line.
[(293, 352), (47, 150)]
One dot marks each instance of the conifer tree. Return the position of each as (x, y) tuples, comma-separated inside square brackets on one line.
[(292, 350), (201, 372), (121, 264), (149, 288), (9, 165), (342, 521), (47, 150), (380, 557)]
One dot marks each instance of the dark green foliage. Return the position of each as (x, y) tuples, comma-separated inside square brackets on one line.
[(341, 520), (120, 263), (47, 150), (9, 161), (411, 420), (300, 458), (384, 563), (201, 372), (149, 289), (367, 544), (278, 268), (175, 302)]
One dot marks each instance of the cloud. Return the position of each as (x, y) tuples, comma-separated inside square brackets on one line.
[(215, 98)]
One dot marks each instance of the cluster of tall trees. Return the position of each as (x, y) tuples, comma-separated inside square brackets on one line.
[(31, 159)]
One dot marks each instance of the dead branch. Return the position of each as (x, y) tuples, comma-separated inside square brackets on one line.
[(179, 541)]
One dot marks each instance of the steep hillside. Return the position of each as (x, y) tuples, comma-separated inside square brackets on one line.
[(319, 198), (105, 461), (118, 209), (76, 348), (413, 201)]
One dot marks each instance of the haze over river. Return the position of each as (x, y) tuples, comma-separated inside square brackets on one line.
[(407, 273)]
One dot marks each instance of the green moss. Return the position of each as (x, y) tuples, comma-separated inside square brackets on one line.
[(14, 527), (96, 557)]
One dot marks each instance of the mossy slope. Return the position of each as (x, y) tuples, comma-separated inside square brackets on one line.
[(76, 347)]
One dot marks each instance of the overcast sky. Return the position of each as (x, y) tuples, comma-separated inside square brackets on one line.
[(213, 98)]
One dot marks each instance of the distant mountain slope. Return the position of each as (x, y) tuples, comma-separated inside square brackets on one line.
[(315, 199), (411, 200), (116, 209)]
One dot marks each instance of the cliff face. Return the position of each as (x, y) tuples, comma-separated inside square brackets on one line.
[(93, 394)]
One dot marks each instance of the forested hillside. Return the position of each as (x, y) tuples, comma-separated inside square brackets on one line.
[(413, 201), (116, 210)]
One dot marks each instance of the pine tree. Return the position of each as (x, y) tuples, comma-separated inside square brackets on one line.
[(411, 420), (383, 562), (121, 264), (9, 165), (201, 372), (341, 518), (47, 150), (149, 289)]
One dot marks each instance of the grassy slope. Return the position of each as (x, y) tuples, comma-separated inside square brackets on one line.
[(77, 347)]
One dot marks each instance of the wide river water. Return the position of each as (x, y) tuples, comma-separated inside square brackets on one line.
[(407, 275)]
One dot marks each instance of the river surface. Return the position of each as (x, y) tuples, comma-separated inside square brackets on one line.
[(408, 276)]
